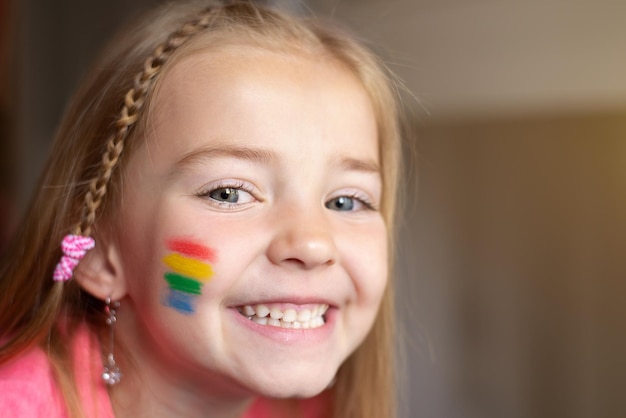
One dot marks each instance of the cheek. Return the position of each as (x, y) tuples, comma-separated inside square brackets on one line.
[(189, 270), (375, 277), (369, 266)]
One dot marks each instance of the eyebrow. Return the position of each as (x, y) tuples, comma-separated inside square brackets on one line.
[(255, 155), (264, 156), (356, 164)]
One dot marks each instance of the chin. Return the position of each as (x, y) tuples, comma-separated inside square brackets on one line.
[(307, 390), (295, 385)]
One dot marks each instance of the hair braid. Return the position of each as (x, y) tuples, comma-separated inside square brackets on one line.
[(134, 101)]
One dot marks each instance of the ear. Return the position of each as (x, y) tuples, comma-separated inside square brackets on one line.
[(100, 272)]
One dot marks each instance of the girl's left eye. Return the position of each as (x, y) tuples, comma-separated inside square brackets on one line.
[(225, 194), (348, 203)]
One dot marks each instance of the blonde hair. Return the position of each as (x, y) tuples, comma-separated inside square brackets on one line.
[(103, 125)]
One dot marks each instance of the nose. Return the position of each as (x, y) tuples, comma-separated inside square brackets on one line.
[(303, 240)]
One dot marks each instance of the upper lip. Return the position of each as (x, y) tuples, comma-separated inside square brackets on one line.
[(295, 300)]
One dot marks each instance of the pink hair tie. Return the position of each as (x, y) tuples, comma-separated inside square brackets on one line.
[(74, 249)]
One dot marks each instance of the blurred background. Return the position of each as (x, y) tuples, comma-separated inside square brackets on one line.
[(511, 266)]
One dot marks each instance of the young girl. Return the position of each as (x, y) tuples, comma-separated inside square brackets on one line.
[(222, 187)]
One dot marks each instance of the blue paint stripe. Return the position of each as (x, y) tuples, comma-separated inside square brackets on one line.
[(182, 302)]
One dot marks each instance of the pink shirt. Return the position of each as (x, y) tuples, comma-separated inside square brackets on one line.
[(28, 387)]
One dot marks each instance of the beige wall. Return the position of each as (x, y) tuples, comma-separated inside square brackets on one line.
[(513, 265)]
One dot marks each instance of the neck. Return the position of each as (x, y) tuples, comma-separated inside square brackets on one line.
[(163, 401), (151, 387), (146, 392)]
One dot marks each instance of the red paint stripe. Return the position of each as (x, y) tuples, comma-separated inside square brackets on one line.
[(191, 249)]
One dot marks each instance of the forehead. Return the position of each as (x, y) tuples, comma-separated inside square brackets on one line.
[(237, 86), (241, 65)]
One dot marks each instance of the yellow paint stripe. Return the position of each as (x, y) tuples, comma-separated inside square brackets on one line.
[(188, 266)]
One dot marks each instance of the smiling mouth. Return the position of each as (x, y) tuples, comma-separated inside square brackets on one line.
[(300, 317)]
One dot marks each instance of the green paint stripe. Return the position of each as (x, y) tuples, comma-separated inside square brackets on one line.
[(183, 284)]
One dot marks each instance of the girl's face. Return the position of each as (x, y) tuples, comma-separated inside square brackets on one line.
[(253, 251)]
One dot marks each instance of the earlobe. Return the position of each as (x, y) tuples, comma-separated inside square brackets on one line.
[(100, 272)]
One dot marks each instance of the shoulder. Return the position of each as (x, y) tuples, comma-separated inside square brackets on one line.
[(28, 388)]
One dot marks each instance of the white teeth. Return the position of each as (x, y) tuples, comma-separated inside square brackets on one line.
[(262, 310), (274, 322), (258, 320), (289, 318), (276, 313), (290, 315), (304, 315)]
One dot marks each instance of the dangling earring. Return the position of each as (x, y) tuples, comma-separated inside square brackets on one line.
[(111, 373)]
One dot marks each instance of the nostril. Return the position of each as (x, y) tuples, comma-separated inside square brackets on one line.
[(296, 262), (303, 255), (301, 246), (293, 261)]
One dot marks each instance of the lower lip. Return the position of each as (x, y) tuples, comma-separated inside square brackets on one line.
[(290, 335)]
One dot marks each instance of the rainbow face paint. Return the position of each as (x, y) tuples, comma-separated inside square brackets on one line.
[(189, 269)]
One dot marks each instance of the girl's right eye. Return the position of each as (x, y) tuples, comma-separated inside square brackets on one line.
[(228, 195)]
